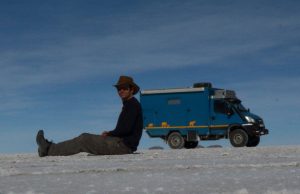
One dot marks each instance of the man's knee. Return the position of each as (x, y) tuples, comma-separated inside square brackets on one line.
[(84, 137)]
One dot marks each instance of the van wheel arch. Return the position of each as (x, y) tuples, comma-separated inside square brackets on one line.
[(234, 127)]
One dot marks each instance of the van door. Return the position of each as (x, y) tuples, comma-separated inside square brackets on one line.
[(221, 117)]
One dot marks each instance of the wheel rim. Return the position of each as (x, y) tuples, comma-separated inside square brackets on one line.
[(175, 141), (238, 138)]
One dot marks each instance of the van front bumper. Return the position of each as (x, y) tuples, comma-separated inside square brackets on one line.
[(255, 130)]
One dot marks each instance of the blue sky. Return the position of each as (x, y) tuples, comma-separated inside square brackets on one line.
[(59, 60)]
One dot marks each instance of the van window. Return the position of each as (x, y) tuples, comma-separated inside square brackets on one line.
[(220, 107), (174, 101)]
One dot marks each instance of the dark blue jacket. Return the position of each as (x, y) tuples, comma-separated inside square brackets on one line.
[(130, 124)]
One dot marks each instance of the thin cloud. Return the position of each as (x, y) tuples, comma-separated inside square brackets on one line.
[(180, 40), (156, 37)]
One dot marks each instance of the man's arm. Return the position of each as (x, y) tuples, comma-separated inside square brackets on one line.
[(126, 122)]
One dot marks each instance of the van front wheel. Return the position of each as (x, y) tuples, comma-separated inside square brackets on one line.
[(238, 138), (253, 141), (175, 140)]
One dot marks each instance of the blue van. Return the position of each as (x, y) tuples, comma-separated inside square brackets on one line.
[(183, 116)]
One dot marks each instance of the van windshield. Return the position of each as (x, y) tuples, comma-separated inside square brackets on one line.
[(237, 104), (240, 107)]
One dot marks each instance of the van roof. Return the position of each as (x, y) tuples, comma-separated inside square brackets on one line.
[(172, 90)]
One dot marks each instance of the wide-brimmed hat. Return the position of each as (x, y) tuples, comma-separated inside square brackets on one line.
[(126, 80)]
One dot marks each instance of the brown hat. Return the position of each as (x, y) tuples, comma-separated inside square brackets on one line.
[(126, 80)]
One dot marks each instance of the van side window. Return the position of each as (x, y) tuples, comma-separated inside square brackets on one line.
[(220, 107)]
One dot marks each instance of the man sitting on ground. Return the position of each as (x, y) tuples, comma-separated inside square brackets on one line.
[(124, 139)]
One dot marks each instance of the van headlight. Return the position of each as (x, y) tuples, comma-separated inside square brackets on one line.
[(249, 119)]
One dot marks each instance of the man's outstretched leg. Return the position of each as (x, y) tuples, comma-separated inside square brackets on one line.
[(94, 144)]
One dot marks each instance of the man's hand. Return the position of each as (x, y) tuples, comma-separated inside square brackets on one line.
[(104, 133)]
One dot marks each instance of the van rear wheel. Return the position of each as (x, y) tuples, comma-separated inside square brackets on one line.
[(238, 138), (175, 140), (190, 144)]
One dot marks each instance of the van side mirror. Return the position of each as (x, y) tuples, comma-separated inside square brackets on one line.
[(229, 112)]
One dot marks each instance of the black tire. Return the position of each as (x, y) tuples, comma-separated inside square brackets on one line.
[(190, 144), (238, 138), (175, 140), (253, 141)]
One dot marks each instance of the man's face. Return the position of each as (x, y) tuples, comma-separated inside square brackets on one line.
[(125, 92)]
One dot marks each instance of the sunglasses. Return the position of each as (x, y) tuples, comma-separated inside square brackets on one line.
[(123, 87)]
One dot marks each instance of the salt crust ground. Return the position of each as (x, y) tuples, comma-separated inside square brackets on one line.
[(206, 170)]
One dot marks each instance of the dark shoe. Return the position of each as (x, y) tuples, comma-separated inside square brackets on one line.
[(43, 144)]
